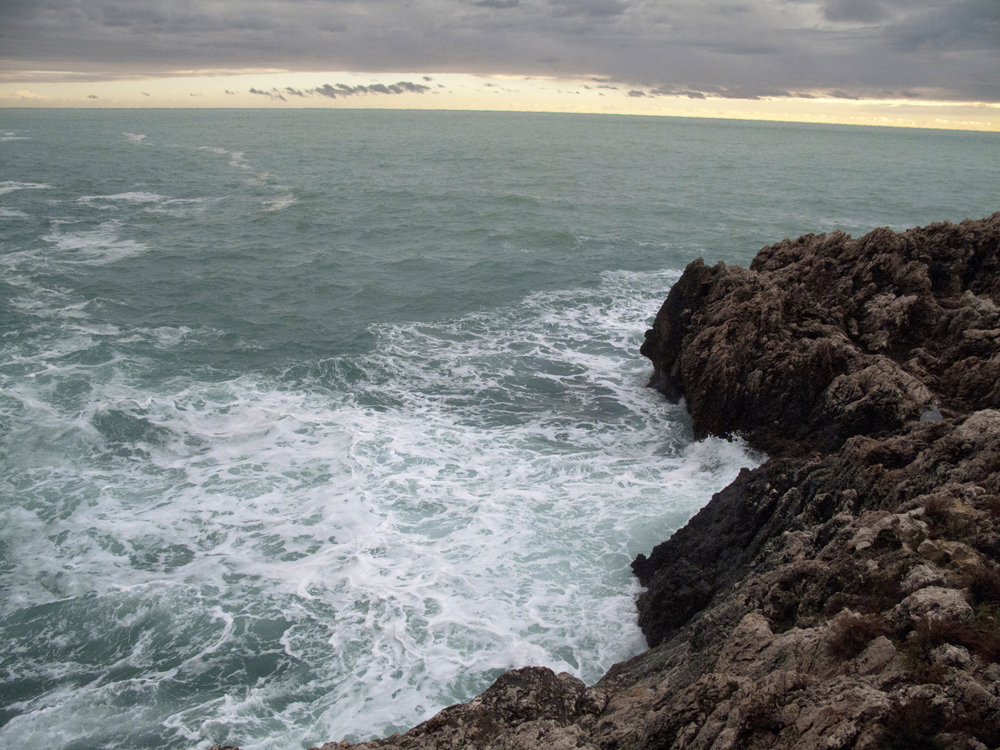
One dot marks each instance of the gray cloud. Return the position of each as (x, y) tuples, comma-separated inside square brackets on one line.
[(854, 11), (272, 94), (343, 90), (712, 47), (595, 8), (964, 26)]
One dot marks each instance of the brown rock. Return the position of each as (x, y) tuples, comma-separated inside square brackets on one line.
[(826, 337)]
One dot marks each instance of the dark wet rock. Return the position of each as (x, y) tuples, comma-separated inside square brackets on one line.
[(846, 593)]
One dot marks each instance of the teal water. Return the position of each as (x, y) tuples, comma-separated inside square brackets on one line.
[(314, 422)]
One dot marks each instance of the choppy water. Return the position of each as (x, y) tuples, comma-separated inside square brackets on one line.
[(315, 422)]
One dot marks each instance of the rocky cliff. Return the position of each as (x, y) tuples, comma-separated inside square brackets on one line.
[(845, 594)]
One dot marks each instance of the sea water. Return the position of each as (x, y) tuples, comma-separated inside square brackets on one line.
[(315, 422)]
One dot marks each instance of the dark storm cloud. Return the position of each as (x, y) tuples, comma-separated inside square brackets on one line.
[(962, 26), (859, 47)]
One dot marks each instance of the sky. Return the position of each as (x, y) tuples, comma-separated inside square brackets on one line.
[(928, 63)]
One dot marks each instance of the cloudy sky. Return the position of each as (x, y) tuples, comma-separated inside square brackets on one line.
[(736, 50)]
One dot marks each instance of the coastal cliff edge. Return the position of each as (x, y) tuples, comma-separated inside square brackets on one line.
[(846, 593)]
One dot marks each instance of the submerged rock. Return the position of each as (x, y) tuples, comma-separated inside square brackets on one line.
[(846, 593)]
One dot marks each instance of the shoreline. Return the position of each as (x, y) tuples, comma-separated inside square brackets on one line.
[(846, 593)]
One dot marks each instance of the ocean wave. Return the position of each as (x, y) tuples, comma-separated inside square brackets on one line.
[(386, 532), (137, 197), (98, 246), (9, 186)]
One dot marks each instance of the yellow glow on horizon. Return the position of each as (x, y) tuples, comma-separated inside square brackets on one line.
[(451, 91)]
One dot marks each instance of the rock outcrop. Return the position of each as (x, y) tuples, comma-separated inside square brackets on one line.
[(825, 337), (846, 593)]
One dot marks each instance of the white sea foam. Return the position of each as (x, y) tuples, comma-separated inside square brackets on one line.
[(181, 207), (256, 178), (236, 160), (470, 505), (135, 137), (136, 197), (7, 213), (279, 203), (98, 246), (9, 186)]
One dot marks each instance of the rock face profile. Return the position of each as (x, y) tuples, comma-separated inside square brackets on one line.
[(846, 593), (825, 337)]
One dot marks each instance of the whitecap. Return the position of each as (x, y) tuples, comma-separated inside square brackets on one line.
[(98, 246), (279, 203), (180, 207), (135, 137), (236, 160), (9, 186), (137, 197)]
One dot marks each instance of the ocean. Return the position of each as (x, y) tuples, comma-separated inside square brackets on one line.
[(314, 422)]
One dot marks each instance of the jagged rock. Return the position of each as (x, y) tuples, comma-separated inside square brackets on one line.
[(952, 656), (900, 528), (922, 576), (825, 337), (933, 601), (876, 657)]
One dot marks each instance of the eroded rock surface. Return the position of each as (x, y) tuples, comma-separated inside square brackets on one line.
[(846, 593), (826, 337)]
